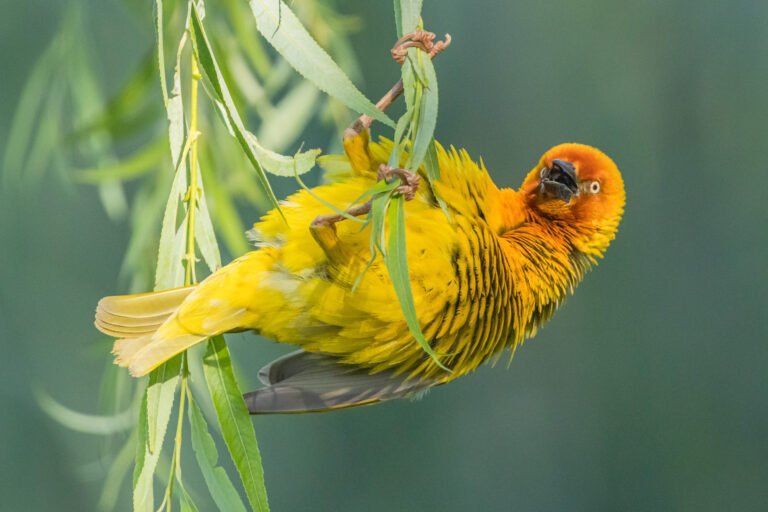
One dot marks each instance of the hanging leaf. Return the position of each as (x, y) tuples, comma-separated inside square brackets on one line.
[(427, 116), (396, 258), (280, 26), (407, 15), (289, 117), (143, 161), (256, 155), (204, 233), (235, 422), (169, 265), (220, 486), (85, 423), (156, 408)]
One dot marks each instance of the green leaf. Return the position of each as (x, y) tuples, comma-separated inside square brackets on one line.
[(115, 476), (398, 18), (235, 422), (30, 105), (160, 395), (160, 42), (427, 118), (281, 165), (396, 258), (432, 167), (222, 490), (85, 423), (247, 38), (335, 167), (210, 67), (141, 440), (132, 108), (143, 161), (283, 30), (409, 14), (186, 504), (284, 123), (204, 233), (169, 265)]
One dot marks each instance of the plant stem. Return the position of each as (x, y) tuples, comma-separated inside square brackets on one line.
[(192, 194), (190, 276)]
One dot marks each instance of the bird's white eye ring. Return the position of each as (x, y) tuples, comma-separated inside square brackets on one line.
[(594, 187)]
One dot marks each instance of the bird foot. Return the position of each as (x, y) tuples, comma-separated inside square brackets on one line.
[(419, 39), (410, 180)]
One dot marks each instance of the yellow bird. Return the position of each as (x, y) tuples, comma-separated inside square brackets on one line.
[(483, 280)]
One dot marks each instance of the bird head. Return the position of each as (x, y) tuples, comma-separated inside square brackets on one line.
[(580, 188)]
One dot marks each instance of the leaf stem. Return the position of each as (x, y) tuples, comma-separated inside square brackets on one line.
[(190, 259)]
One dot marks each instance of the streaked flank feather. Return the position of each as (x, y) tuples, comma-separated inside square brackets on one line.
[(483, 278)]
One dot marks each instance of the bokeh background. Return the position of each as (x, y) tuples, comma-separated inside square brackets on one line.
[(649, 389)]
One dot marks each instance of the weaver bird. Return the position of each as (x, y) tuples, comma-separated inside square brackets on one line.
[(484, 278)]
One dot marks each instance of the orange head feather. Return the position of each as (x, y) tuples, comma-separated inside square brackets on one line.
[(578, 188)]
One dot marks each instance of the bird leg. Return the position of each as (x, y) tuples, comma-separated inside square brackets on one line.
[(419, 39), (323, 228)]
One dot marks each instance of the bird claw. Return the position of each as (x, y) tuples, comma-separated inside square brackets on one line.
[(419, 39), (410, 180)]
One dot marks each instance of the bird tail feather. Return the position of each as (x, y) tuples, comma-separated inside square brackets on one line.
[(137, 320)]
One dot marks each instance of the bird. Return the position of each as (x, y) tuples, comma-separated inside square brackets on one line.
[(486, 273)]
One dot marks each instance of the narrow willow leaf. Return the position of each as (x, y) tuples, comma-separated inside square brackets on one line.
[(229, 226), (167, 262), (175, 109), (220, 486), (398, 18), (235, 422), (427, 119), (119, 468), (288, 119), (160, 395), (251, 90), (204, 233), (247, 38), (281, 165), (261, 158), (210, 67), (283, 30), (186, 504), (160, 42), (146, 210), (112, 196), (397, 147), (86, 423), (410, 14), (396, 258), (141, 440), (129, 110), (432, 167), (30, 104), (382, 194), (144, 160), (45, 145), (335, 166), (160, 392)]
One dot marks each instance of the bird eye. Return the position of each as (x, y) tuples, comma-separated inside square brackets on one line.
[(594, 187)]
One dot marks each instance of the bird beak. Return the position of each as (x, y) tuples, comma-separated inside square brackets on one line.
[(559, 181)]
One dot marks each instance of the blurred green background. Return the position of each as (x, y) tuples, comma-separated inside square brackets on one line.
[(648, 390)]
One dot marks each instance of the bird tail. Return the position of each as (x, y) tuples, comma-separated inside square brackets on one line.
[(144, 323)]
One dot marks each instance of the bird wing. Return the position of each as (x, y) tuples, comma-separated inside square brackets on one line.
[(306, 382)]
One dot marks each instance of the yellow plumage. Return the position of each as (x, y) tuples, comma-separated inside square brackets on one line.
[(482, 280)]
